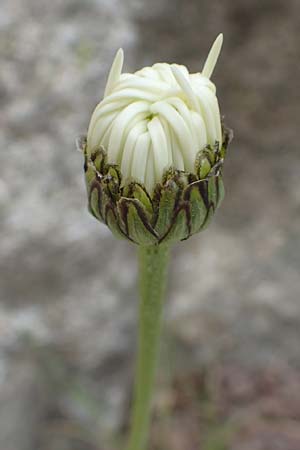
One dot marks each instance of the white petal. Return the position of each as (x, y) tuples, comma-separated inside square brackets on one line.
[(200, 130), (180, 128), (207, 115), (141, 117), (140, 156), (186, 114), (100, 121), (176, 152), (165, 73), (96, 133), (115, 72), (129, 146), (103, 109), (131, 95), (182, 69), (212, 58), (159, 145), (197, 79), (106, 136), (185, 85), (149, 85), (166, 128), (150, 178), (122, 121), (212, 101), (149, 73)]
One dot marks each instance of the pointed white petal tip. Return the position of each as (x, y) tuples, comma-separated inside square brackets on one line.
[(120, 55), (115, 72), (213, 55)]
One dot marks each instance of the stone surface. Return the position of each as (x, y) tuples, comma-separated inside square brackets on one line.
[(68, 297)]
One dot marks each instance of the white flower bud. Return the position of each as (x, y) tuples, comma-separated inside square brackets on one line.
[(157, 118)]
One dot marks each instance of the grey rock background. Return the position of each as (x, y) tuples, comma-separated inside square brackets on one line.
[(68, 298)]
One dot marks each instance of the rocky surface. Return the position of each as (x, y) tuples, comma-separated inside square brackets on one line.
[(68, 299)]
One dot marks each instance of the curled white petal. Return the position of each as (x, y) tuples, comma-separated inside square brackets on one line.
[(115, 146), (129, 147), (185, 85), (140, 156), (157, 118), (150, 174), (160, 146)]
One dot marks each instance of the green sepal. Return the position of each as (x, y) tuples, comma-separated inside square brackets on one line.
[(203, 164), (112, 180), (111, 220), (99, 160), (136, 222), (97, 200), (90, 173), (166, 200), (204, 168), (138, 191), (215, 190), (198, 207), (180, 227), (212, 191), (210, 213), (220, 189)]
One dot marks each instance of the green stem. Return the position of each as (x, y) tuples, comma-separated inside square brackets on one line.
[(153, 261)]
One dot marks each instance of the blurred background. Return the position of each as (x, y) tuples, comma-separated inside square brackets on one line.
[(229, 375)]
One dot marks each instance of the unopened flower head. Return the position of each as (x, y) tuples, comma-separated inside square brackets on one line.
[(157, 118), (154, 151)]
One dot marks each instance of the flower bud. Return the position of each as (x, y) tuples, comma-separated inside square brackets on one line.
[(154, 152)]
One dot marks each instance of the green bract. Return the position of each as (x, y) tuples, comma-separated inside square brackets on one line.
[(180, 206)]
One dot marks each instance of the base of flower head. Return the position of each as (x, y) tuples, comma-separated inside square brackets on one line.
[(180, 206)]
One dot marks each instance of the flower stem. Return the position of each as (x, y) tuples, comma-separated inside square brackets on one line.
[(153, 261)]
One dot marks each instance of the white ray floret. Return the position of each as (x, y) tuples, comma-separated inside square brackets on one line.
[(115, 72), (213, 56), (157, 118)]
